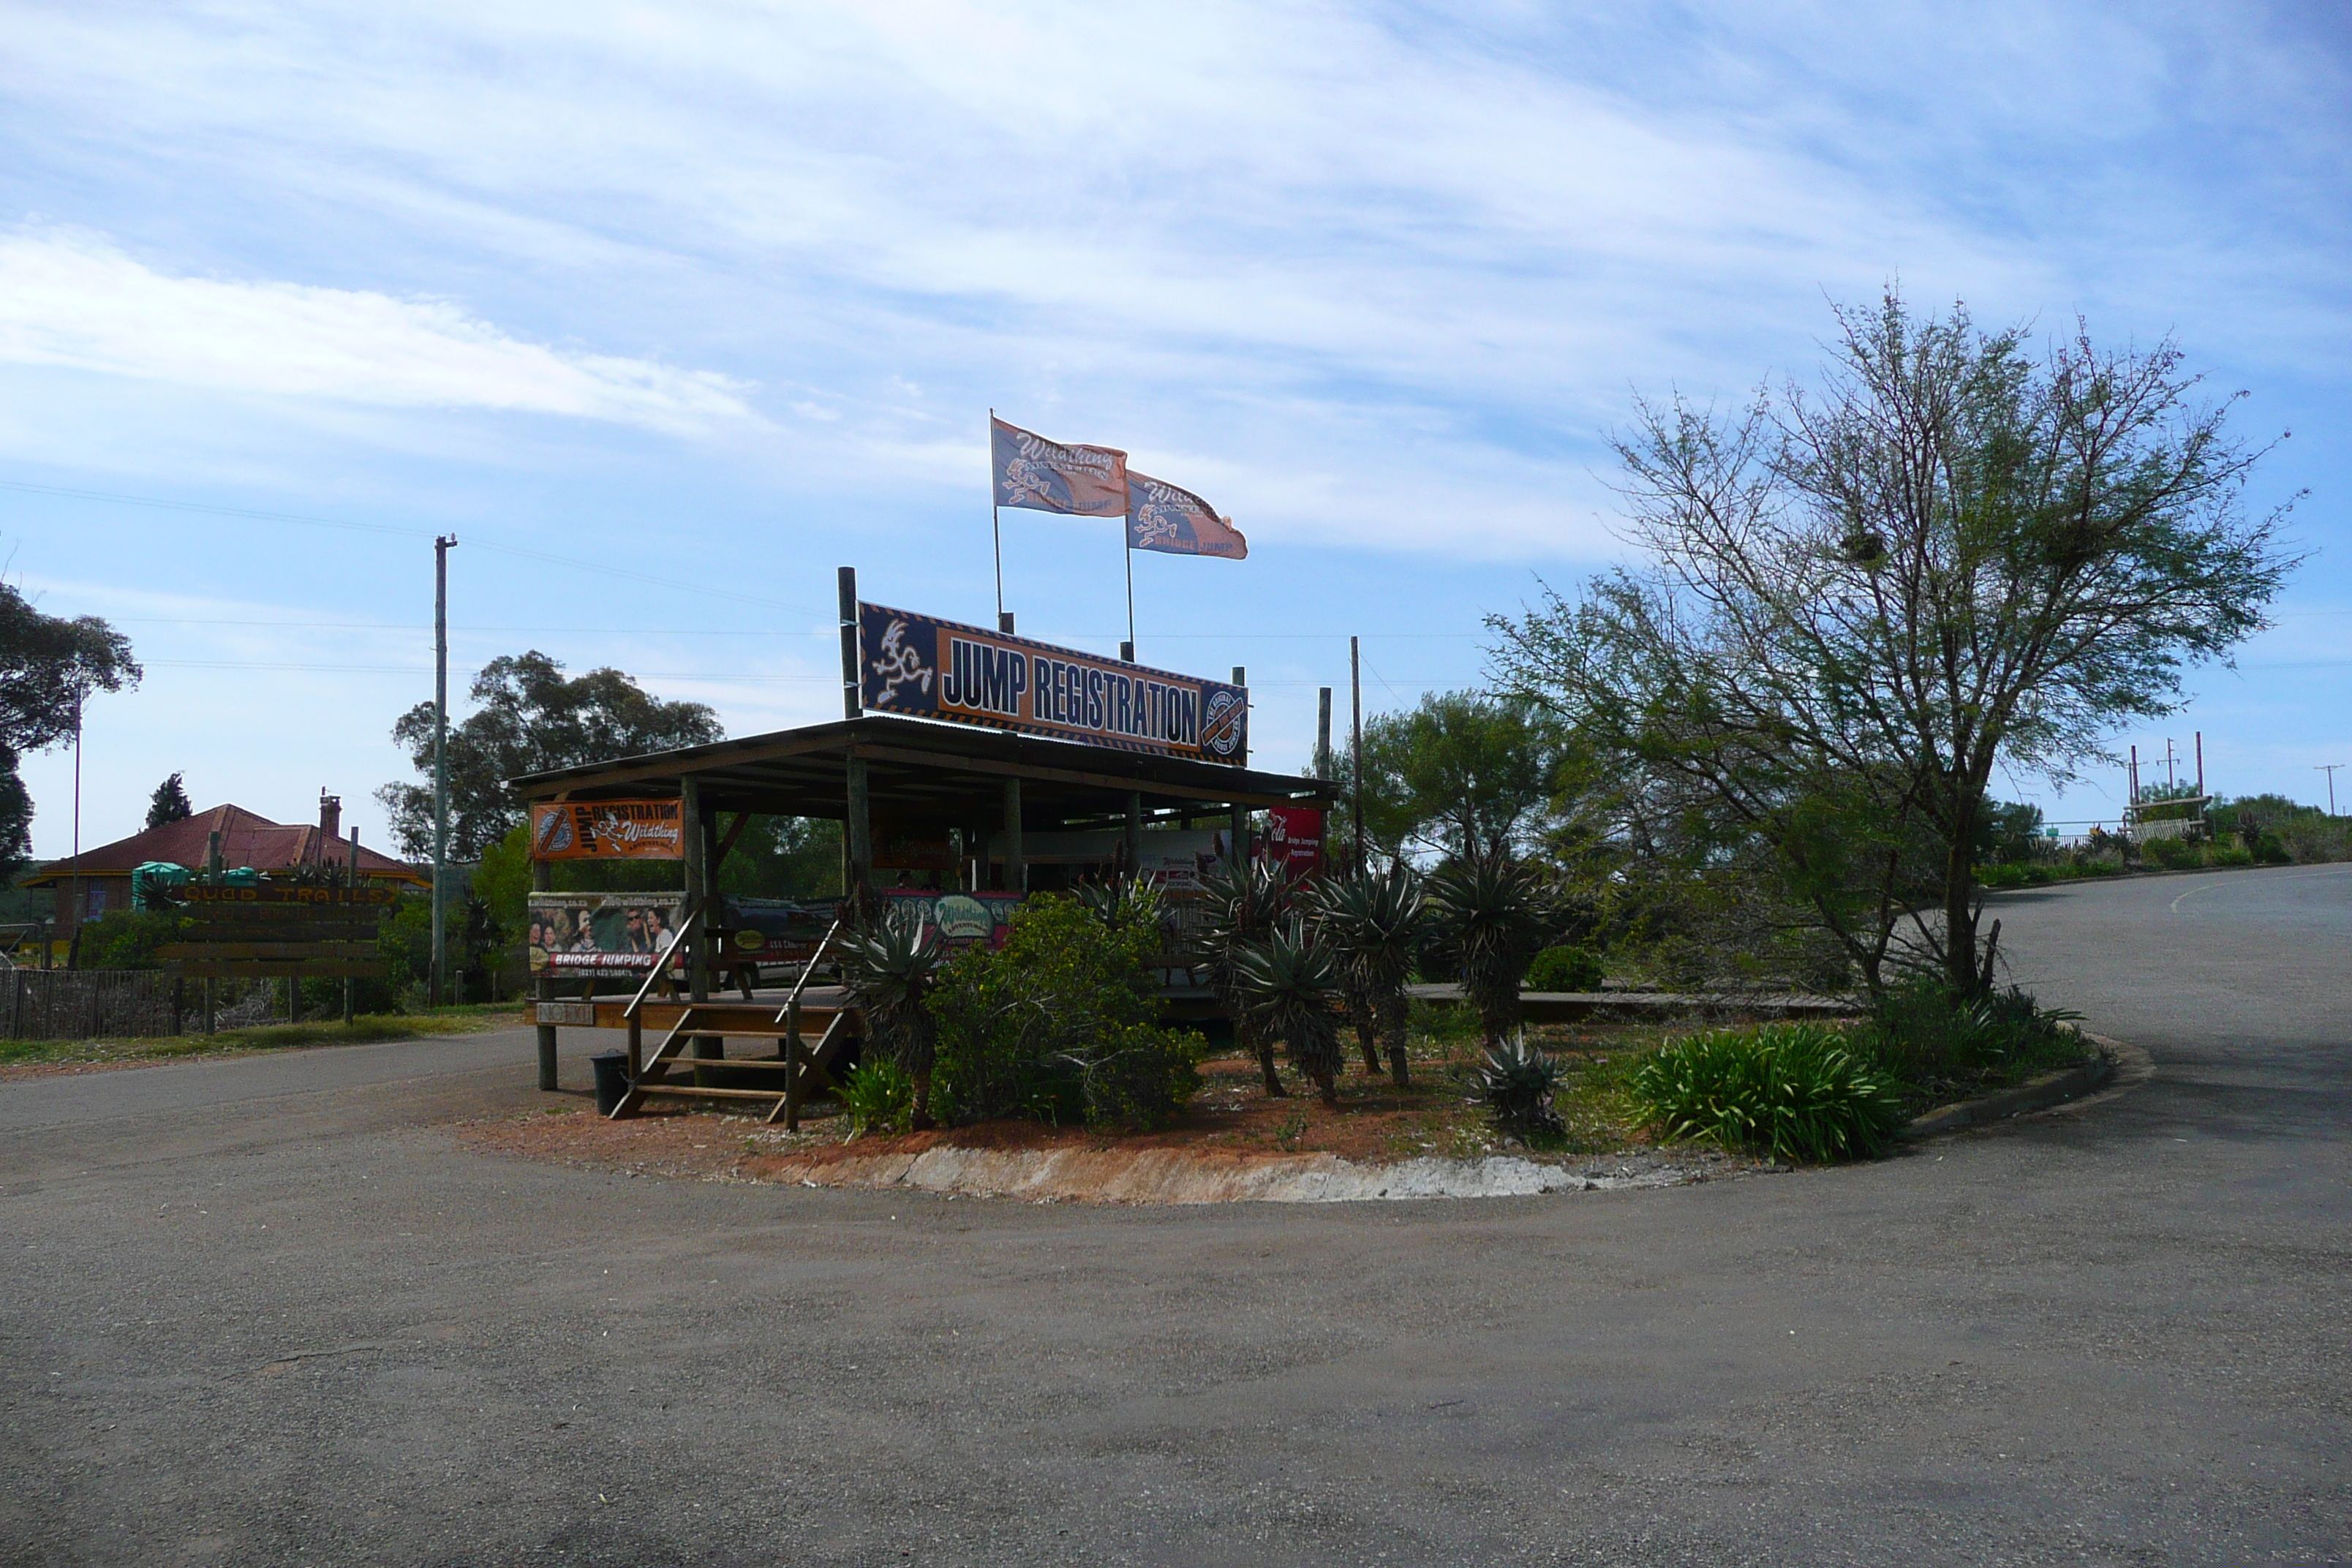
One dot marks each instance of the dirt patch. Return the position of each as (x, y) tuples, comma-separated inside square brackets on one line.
[(1235, 1141)]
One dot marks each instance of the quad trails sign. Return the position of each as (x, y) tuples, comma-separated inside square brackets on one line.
[(928, 668), (298, 933)]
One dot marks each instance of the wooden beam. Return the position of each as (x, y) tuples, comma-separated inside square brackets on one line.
[(952, 764)]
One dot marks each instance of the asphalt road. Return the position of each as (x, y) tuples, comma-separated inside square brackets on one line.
[(269, 1312)]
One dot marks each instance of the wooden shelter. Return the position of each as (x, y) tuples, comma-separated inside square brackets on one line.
[(990, 789)]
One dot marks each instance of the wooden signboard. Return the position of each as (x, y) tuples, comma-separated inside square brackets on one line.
[(930, 668), (305, 932), (608, 830)]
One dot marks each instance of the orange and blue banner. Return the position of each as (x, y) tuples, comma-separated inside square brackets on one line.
[(1038, 475), (1162, 517), (928, 668)]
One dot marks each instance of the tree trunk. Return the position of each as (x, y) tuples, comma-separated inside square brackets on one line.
[(1263, 1045), (920, 1122), (1959, 908), (1329, 1082), (1359, 1012), (1498, 1001), (1393, 1011)]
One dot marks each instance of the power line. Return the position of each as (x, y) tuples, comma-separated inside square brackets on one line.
[(632, 574)]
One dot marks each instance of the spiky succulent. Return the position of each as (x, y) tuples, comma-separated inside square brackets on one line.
[(1495, 914), (889, 969), (1517, 1081), (1244, 904), (1374, 924), (1289, 987)]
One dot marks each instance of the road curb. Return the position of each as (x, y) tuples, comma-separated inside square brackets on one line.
[(2118, 1068)]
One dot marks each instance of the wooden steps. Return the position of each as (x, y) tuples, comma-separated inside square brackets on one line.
[(799, 1065)]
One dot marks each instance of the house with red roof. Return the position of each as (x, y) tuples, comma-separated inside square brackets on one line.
[(96, 881)]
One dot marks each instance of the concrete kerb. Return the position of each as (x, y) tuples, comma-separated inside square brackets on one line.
[(2118, 1069), (1161, 1177)]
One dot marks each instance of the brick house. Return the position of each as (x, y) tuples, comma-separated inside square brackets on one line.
[(103, 875)]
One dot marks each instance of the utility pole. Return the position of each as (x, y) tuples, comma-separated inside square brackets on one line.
[(1355, 742), (2329, 769), (441, 547), (1323, 733)]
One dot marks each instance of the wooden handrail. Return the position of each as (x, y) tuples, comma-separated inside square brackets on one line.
[(661, 961), (809, 968)]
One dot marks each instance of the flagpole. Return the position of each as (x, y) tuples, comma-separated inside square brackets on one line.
[(995, 528), (1127, 652)]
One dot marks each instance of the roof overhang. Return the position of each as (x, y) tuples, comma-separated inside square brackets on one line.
[(949, 773)]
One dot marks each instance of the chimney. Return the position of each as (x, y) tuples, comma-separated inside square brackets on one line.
[(331, 821)]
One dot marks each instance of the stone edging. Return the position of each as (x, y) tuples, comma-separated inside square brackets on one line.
[(2127, 1067)]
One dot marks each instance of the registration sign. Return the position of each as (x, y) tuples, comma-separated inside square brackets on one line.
[(930, 668)]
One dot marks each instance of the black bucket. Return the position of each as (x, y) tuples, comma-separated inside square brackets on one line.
[(612, 1079)]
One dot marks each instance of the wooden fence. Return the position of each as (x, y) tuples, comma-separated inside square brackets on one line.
[(89, 1004)]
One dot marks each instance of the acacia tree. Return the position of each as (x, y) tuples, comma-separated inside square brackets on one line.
[(531, 719), (1461, 773), (1861, 601)]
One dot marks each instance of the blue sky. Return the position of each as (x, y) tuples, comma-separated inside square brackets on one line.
[(667, 311)]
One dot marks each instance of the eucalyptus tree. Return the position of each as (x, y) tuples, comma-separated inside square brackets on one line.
[(1954, 556)]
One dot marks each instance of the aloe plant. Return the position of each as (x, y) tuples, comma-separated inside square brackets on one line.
[(1495, 913), (1517, 1081), (1289, 987), (889, 969), (1374, 925), (1244, 904)]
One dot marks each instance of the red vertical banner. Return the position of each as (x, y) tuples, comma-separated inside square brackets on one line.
[(1293, 839)]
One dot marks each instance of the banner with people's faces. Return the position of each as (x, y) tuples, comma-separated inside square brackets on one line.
[(601, 933)]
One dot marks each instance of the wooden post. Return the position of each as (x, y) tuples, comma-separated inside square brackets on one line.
[(793, 1055), (1016, 868), (1323, 733), (543, 989), (698, 897), (179, 1000), (1240, 678), (1241, 845), (1356, 747), (210, 1027), (351, 880), (858, 833), (1134, 842), (850, 704)]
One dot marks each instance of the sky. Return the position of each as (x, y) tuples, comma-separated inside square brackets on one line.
[(665, 311)]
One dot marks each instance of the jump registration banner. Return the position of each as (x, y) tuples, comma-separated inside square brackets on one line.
[(928, 668), (608, 830)]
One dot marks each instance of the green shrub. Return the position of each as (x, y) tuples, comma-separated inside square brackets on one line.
[(1059, 1024), (1918, 1033), (1795, 1091), (127, 939), (879, 1097), (1565, 969), (2170, 853)]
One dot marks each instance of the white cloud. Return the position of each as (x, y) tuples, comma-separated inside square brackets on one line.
[(73, 299)]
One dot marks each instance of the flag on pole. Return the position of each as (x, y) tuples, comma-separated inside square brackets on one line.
[(1177, 523), (1047, 475)]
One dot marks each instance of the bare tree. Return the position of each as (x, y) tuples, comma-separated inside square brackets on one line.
[(1861, 600)]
